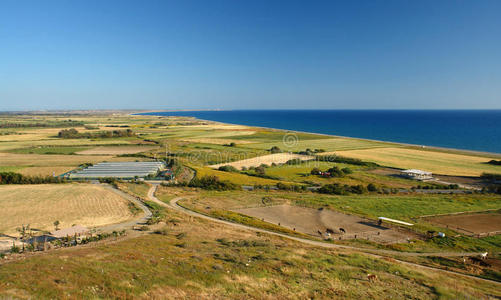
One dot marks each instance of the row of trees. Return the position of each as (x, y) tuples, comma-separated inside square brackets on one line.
[(213, 183), (338, 189), (66, 123), (16, 178), (332, 172), (74, 134)]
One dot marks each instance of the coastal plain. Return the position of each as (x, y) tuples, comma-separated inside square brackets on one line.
[(273, 188)]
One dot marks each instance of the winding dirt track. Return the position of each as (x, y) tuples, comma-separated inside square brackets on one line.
[(372, 252)]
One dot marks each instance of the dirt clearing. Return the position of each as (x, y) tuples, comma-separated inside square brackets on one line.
[(477, 224), (312, 221)]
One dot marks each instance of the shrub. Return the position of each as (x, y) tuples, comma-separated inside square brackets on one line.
[(295, 161), (491, 176), (337, 189), (260, 171), (16, 178), (212, 183), (275, 149), (315, 171), (336, 172), (371, 187), (227, 168), (347, 171), (346, 160)]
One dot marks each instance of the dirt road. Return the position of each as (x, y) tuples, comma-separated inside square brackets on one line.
[(372, 252)]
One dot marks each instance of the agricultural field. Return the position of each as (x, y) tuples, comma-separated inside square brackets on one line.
[(189, 257), (432, 161), (41, 205), (277, 158), (199, 258)]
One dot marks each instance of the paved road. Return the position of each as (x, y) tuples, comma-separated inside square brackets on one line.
[(373, 252)]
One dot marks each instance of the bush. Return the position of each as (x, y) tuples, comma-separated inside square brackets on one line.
[(295, 161), (212, 183), (315, 171), (337, 189), (372, 188), (227, 169), (491, 176), (346, 160), (347, 171), (260, 171), (275, 149), (335, 172), (16, 178), (74, 134)]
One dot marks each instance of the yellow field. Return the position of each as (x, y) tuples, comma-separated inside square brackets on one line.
[(277, 158), (41, 205), (432, 161), (234, 177), (115, 150)]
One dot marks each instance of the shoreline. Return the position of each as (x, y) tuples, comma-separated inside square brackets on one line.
[(419, 147)]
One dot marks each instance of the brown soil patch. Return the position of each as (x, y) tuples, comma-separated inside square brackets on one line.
[(471, 223), (310, 221)]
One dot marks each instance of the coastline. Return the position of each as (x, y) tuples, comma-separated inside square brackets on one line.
[(418, 147)]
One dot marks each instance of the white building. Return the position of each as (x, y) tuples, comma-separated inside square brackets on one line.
[(417, 174)]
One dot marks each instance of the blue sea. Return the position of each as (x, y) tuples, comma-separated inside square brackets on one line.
[(478, 130)]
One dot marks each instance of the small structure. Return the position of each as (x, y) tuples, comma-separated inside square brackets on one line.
[(417, 174), (76, 230), (381, 219)]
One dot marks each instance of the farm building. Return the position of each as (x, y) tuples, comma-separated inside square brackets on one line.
[(416, 174), (122, 170)]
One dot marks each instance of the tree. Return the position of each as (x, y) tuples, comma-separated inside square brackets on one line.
[(315, 171), (260, 171), (346, 171), (371, 187), (56, 225), (336, 172), (275, 149)]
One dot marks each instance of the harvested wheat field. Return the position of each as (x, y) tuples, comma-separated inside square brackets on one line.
[(277, 158), (432, 161), (315, 221), (41, 205), (115, 150)]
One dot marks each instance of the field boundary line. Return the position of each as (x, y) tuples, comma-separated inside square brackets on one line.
[(458, 213)]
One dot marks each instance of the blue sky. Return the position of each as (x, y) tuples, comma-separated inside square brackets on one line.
[(250, 54)]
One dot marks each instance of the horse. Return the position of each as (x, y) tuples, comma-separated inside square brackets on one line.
[(342, 230)]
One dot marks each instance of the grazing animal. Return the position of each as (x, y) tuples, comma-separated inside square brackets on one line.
[(484, 255), (319, 232), (342, 230), (328, 230), (372, 277)]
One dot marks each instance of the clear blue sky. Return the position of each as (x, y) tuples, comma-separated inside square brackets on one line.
[(249, 54)]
